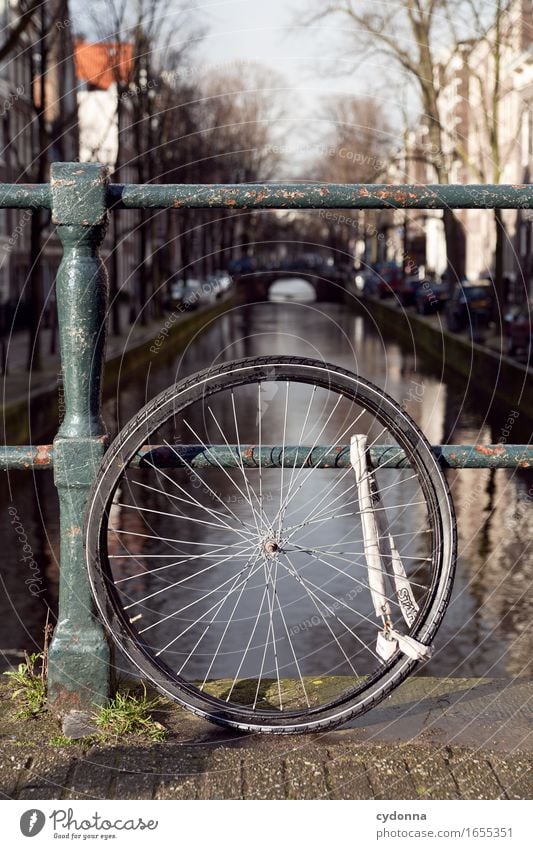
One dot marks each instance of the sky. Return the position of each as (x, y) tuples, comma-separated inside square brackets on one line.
[(314, 59), (263, 31), (316, 62)]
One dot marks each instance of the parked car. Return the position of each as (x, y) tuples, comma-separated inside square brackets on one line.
[(221, 281), (370, 285), (509, 316), (408, 289), (470, 306), (360, 278), (431, 297), (387, 280), (518, 329), (244, 265), (186, 294)]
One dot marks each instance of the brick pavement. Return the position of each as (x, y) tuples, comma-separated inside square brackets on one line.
[(433, 739)]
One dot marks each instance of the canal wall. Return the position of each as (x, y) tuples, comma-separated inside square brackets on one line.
[(482, 369), (34, 415)]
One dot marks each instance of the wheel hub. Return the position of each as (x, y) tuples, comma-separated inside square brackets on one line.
[(271, 547)]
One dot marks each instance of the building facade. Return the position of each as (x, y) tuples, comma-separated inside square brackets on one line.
[(486, 104), (33, 134), (104, 72)]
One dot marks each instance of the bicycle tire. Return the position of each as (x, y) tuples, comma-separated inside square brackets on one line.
[(169, 404)]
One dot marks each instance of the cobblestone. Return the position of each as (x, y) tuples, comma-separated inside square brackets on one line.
[(404, 749)]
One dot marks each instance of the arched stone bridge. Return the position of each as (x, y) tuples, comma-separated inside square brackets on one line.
[(328, 282)]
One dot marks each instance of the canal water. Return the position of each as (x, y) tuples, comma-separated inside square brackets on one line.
[(486, 631)]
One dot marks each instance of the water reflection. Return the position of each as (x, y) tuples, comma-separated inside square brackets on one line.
[(180, 590), (292, 289), (486, 629)]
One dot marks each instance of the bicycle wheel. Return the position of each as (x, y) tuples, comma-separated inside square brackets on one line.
[(228, 551)]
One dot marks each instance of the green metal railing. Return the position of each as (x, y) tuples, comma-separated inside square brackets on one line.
[(36, 457), (81, 198)]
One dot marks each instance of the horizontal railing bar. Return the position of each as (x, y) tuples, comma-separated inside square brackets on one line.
[(321, 196), (288, 196), (327, 457), (274, 457), (36, 457), (25, 196)]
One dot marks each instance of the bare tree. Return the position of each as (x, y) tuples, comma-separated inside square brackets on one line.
[(28, 10), (217, 126), (422, 38), (55, 123), (410, 35), (356, 150), (243, 109), (139, 27)]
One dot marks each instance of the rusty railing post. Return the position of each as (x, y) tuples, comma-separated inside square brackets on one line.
[(80, 196), (79, 660)]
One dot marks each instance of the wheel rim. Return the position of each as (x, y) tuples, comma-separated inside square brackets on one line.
[(244, 593)]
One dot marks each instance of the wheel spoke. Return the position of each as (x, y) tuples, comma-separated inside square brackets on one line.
[(213, 493), (301, 438), (196, 621), (316, 600), (291, 645), (192, 603), (259, 434), (216, 514), (248, 644), (179, 583), (183, 518), (169, 539), (253, 562), (353, 578), (238, 459), (337, 555), (209, 555), (308, 583), (218, 607), (280, 511), (267, 640), (338, 438), (227, 579), (290, 497), (220, 466), (352, 514)]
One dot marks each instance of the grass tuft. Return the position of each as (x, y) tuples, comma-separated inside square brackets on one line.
[(28, 681), (60, 740), (130, 713), (28, 685)]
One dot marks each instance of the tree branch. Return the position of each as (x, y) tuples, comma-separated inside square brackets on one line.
[(19, 28)]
